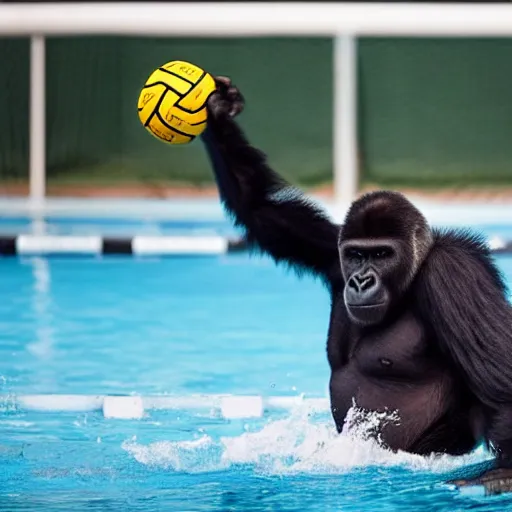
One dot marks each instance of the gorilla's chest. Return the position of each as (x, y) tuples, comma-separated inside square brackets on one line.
[(380, 367), (394, 368), (399, 350)]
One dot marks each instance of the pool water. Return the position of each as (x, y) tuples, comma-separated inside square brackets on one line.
[(230, 324), (58, 225)]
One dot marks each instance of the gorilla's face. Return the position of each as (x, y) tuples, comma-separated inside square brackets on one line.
[(382, 244), (373, 281)]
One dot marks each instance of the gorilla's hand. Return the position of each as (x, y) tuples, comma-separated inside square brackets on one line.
[(226, 101), (495, 481)]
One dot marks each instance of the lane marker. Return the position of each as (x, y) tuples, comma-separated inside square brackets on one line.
[(134, 406), (48, 245)]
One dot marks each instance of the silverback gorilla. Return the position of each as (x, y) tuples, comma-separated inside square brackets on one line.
[(420, 322)]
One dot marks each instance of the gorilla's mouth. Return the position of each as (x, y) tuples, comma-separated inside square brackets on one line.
[(363, 306), (367, 314)]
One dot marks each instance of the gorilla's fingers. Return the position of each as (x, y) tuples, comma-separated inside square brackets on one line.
[(235, 95), (217, 105), (222, 81), (237, 101), (227, 100)]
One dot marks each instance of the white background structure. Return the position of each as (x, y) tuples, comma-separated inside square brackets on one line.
[(343, 22)]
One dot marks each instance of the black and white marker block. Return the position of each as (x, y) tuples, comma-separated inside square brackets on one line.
[(28, 245), (32, 245)]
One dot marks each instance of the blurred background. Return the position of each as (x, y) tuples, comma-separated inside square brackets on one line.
[(147, 362), (431, 113)]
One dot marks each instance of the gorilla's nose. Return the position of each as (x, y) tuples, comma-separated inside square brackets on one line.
[(363, 289), (363, 283), (360, 283)]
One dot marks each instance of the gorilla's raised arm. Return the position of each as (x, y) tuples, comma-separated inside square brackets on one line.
[(463, 298), (277, 218)]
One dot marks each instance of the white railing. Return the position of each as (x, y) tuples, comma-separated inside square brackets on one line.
[(341, 21)]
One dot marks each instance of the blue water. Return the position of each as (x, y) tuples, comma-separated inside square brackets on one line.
[(181, 326), (58, 225), (177, 325)]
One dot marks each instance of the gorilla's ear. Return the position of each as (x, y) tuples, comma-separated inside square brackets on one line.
[(462, 300), (421, 243)]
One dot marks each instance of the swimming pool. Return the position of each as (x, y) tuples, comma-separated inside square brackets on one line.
[(180, 328)]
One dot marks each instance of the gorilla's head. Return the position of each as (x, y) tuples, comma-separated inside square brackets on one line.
[(382, 243)]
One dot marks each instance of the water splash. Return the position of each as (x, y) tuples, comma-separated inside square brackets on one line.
[(296, 444), (196, 456)]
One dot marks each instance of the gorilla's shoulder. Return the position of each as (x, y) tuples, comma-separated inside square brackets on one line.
[(462, 239), (465, 248)]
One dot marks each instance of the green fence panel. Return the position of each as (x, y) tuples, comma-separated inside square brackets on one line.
[(14, 108), (435, 110), (429, 110), (93, 85)]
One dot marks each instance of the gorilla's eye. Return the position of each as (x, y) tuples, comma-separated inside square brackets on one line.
[(353, 254), (383, 253)]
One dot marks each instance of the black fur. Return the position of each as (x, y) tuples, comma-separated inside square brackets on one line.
[(277, 218), (442, 356)]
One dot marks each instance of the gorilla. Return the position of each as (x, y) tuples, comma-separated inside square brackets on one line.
[(420, 324)]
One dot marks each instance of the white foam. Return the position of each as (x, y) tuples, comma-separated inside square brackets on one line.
[(123, 407), (296, 444), (197, 455), (16, 423)]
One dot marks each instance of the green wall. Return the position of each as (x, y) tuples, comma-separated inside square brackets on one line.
[(93, 87), (14, 108), (430, 111), (436, 110)]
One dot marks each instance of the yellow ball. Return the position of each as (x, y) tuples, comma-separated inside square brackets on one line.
[(172, 103)]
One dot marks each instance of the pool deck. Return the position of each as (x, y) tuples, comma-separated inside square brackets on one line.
[(437, 211)]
